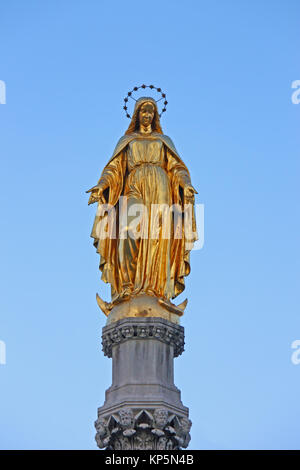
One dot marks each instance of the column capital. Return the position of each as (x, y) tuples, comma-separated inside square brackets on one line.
[(143, 329)]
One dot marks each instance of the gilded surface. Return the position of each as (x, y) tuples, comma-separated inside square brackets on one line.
[(145, 169)]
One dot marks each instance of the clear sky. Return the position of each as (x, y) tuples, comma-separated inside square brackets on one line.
[(227, 68)]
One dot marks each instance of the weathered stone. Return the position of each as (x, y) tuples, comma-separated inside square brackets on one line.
[(140, 431), (143, 408), (158, 328)]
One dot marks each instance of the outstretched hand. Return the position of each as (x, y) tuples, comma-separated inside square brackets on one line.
[(96, 194), (189, 193)]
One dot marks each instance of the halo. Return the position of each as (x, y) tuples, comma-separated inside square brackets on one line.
[(136, 88)]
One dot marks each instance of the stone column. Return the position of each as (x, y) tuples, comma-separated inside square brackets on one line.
[(143, 408)]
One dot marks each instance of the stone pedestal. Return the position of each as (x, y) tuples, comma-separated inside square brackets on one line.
[(142, 408)]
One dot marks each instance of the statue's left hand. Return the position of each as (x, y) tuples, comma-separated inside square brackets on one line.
[(189, 192)]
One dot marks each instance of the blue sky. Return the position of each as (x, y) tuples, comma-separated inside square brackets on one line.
[(227, 68)]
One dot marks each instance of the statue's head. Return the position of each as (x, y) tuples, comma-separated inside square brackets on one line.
[(145, 113), (161, 417), (126, 417)]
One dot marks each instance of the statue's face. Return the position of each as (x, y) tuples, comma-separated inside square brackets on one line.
[(161, 417), (146, 114), (126, 417)]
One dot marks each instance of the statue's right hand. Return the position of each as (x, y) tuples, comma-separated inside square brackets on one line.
[(96, 194)]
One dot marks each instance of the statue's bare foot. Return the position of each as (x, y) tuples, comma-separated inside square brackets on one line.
[(125, 295)]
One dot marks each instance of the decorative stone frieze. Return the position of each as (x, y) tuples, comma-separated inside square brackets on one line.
[(140, 328), (133, 429)]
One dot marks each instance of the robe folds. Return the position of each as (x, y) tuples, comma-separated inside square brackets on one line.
[(147, 170)]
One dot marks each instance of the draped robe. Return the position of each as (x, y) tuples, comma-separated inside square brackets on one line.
[(147, 170)]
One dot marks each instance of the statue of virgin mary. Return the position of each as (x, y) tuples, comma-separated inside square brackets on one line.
[(145, 271)]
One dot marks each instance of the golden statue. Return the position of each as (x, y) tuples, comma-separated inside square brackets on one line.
[(144, 271)]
